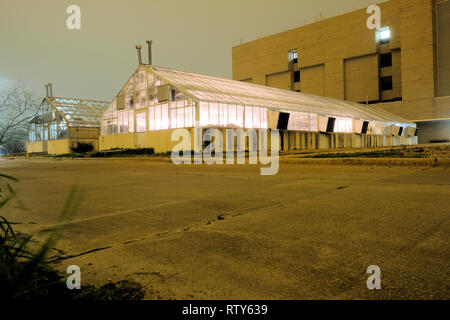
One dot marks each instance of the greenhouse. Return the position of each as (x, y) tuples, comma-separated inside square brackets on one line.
[(61, 123), (157, 100)]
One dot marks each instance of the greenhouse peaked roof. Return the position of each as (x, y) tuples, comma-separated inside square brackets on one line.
[(213, 89), (77, 111)]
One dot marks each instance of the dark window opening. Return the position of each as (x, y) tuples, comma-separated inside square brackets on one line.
[(297, 91), (386, 83), (386, 60), (283, 121), (330, 124), (297, 76), (400, 131), (365, 127), (393, 99)]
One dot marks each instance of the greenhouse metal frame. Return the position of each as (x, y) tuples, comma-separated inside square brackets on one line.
[(62, 122)]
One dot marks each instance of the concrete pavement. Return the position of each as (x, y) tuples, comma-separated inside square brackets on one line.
[(225, 232)]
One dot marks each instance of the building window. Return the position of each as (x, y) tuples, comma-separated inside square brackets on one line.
[(293, 56), (386, 83), (384, 35), (297, 76), (386, 60)]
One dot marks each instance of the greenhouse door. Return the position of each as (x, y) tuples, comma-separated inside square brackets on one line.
[(141, 129)]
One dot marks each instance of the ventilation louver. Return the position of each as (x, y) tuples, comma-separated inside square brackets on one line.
[(163, 92), (120, 102)]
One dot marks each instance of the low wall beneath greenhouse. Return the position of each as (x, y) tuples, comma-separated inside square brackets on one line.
[(289, 140), (35, 147), (298, 140), (61, 146), (159, 140)]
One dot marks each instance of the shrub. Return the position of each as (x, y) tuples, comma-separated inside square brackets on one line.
[(82, 147), (124, 153)]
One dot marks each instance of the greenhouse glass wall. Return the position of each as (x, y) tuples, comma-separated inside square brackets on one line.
[(62, 123), (156, 100)]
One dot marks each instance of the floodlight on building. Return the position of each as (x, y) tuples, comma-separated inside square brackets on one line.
[(293, 55), (385, 35)]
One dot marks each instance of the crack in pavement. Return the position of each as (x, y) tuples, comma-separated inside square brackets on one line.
[(79, 254)]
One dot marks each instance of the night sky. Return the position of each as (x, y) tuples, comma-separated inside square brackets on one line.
[(192, 35)]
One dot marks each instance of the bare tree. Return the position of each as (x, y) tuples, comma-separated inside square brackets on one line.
[(17, 106)]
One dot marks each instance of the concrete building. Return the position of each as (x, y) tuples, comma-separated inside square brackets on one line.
[(61, 123), (402, 67), (155, 101)]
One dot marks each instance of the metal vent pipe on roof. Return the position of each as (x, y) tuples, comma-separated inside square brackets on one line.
[(149, 45), (138, 48), (46, 89), (50, 86)]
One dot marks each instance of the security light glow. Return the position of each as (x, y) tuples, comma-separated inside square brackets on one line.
[(385, 34)]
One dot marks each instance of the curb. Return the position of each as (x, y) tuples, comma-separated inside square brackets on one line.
[(413, 162)]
